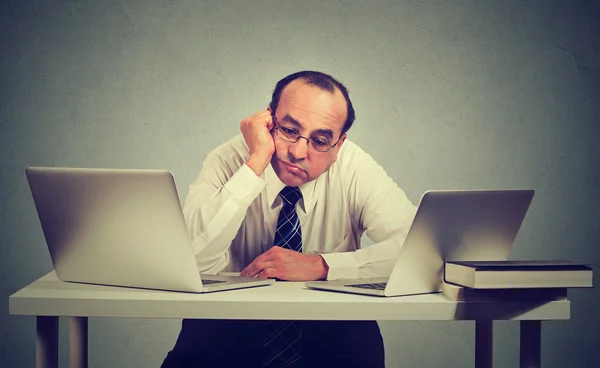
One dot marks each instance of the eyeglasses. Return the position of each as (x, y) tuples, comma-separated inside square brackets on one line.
[(319, 144)]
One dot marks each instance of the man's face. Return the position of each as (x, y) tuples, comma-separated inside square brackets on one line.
[(313, 113)]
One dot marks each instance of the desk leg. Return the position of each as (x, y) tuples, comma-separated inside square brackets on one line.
[(484, 343), (78, 342), (46, 352), (531, 342)]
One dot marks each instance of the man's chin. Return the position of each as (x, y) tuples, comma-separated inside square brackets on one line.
[(292, 180), (295, 182), (289, 178)]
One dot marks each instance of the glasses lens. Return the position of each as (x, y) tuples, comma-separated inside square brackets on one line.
[(292, 136), (319, 146), (288, 136)]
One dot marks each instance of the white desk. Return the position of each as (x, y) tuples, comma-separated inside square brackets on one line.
[(48, 299)]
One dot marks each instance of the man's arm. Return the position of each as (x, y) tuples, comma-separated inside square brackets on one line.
[(383, 210), (229, 181)]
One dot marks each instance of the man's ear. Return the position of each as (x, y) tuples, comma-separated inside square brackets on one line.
[(339, 145), (342, 140)]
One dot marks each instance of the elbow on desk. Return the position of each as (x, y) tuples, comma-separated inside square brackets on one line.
[(212, 265)]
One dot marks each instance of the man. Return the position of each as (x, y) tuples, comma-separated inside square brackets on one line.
[(290, 199)]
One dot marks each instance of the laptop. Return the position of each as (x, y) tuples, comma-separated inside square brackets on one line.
[(472, 225), (121, 228)]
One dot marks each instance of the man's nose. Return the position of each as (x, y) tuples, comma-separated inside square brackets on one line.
[(299, 150)]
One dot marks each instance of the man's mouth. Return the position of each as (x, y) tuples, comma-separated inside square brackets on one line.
[(294, 169)]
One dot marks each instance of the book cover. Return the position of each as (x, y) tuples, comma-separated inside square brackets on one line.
[(533, 265), (518, 274)]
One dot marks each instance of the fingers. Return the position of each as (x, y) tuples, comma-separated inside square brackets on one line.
[(268, 273), (249, 271), (271, 259), (256, 267), (257, 133), (262, 118), (270, 123)]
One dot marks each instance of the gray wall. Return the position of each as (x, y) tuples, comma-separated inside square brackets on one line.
[(449, 95)]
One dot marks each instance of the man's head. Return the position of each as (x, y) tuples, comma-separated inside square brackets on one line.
[(316, 106)]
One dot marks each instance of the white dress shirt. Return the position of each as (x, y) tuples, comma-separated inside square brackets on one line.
[(231, 213)]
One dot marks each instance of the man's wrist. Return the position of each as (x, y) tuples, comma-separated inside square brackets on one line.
[(324, 268), (258, 163)]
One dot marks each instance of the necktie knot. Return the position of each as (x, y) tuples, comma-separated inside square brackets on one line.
[(290, 195)]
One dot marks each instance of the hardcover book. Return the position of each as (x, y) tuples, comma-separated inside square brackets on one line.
[(518, 274)]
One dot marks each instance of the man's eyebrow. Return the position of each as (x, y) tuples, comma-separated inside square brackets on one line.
[(293, 121), (326, 132)]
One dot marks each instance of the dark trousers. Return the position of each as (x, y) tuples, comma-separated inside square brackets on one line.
[(238, 343)]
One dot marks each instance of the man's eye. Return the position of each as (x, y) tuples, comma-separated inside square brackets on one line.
[(320, 142), (288, 131)]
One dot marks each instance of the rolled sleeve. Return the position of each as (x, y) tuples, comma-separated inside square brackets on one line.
[(341, 265), (244, 185)]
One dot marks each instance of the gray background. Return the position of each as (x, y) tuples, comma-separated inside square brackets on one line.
[(449, 95)]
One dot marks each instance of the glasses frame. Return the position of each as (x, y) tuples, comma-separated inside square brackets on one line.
[(285, 138)]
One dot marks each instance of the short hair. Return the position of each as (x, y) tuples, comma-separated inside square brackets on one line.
[(321, 80)]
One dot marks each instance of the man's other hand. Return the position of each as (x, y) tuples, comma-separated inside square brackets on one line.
[(257, 134), (286, 264)]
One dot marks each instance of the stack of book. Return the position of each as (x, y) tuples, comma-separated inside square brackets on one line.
[(513, 280)]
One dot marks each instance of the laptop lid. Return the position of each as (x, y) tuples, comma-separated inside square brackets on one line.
[(457, 225), (448, 225), (116, 227)]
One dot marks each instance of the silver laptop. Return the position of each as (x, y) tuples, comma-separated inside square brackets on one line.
[(448, 226), (122, 228)]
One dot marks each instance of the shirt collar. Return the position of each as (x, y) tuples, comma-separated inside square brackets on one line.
[(274, 186)]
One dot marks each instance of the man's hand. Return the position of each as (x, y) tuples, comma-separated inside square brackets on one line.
[(257, 134), (286, 264)]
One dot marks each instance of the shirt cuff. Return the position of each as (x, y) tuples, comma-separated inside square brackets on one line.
[(244, 185), (341, 265)]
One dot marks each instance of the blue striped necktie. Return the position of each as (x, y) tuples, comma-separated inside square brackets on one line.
[(288, 233), (283, 341)]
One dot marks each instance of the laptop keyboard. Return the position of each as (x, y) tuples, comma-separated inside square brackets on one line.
[(209, 281), (374, 286)]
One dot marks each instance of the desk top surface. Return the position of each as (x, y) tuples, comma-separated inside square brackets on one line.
[(283, 300)]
